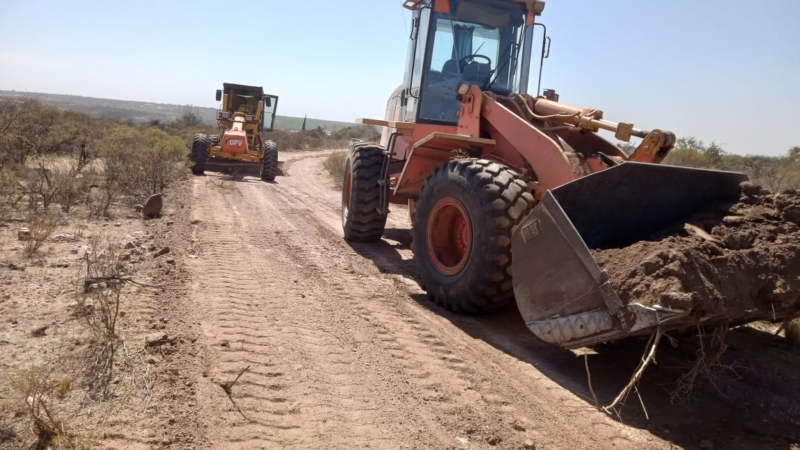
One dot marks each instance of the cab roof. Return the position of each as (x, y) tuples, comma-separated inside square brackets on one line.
[(255, 91)]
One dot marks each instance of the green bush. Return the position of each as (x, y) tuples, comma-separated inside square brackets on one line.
[(775, 173), (138, 163)]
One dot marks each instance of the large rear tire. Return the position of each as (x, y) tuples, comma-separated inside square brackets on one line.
[(269, 166), (361, 194), (462, 228), (199, 155)]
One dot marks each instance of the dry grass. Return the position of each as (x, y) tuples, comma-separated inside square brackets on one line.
[(35, 387), (99, 304), (41, 226), (11, 193), (64, 386), (335, 164), (77, 442), (8, 434)]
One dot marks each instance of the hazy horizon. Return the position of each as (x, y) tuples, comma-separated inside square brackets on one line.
[(718, 70)]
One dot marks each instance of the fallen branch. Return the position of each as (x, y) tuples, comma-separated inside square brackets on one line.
[(591, 388), (88, 282), (649, 357), (228, 386)]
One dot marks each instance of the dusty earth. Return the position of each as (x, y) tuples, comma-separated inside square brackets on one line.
[(282, 335), (731, 261)]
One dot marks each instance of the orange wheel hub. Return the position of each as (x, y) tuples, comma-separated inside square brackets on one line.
[(449, 236), (347, 188)]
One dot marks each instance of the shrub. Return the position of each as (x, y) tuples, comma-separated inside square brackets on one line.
[(138, 163), (41, 226), (335, 164), (99, 300), (11, 192)]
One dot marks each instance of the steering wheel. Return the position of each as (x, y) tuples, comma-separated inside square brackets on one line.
[(470, 58)]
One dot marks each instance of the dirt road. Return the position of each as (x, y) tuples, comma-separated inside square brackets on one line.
[(336, 346)]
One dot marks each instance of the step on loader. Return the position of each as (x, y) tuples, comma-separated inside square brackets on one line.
[(489, 171), (245, 115)]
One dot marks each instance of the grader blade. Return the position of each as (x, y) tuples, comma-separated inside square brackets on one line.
[(563, 295)]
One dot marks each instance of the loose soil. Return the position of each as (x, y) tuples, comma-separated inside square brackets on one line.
[(729, 262)]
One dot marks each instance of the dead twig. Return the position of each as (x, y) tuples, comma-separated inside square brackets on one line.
[(706, 366), (591, 388), (228, 387), (641, 402), (649, 357), (88, 282)]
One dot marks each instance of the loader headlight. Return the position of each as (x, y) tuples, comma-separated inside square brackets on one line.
[(249, 118), (463, 88), (223, 115)]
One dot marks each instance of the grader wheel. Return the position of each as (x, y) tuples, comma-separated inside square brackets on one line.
[(269, 167), (199, 155)]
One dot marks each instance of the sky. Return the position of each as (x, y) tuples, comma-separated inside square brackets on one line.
[(719, 70)]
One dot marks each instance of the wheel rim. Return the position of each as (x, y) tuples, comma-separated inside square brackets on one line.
[(449, 236)]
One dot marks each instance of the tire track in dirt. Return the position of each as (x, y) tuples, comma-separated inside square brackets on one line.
[(342, 349), (301, 389), (456, 390)]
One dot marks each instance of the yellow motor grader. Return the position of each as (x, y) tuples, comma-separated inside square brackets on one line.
[(246, 114)]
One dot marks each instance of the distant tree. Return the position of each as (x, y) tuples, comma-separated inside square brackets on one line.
[(714, 153), (794, 154), (189, 117), (366, 133), (692, 152)]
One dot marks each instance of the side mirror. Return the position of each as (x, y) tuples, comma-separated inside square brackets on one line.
[(268, 102), (219, 95)]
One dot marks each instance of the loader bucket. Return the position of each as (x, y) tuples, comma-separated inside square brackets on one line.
[(563, 295)]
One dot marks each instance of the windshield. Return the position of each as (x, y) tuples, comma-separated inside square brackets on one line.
[(478, 44)]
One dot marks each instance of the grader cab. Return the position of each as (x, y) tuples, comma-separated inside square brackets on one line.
[(246, 113)]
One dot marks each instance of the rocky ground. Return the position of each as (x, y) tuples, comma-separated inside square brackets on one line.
[(262, 328)]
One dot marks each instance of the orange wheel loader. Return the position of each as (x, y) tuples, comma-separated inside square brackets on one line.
[(509, 192), (246, 113)]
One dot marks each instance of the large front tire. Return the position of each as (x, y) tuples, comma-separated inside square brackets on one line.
[(462, 228), (269, 166), (362, 219), (199, 154)]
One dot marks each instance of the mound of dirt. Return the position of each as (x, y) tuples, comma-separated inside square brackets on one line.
[(738, 261)]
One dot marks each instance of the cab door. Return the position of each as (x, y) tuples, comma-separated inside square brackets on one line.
[(269, 113)]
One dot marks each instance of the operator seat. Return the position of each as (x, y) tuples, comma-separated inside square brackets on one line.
[(440, 93), (477, 73), (450, 69)]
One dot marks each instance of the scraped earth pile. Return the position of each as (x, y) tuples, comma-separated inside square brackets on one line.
[(739, 261)]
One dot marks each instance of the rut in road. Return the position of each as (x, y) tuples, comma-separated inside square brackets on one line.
[(341, 355)]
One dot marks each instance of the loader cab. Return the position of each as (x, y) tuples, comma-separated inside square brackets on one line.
[(481, 42)]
